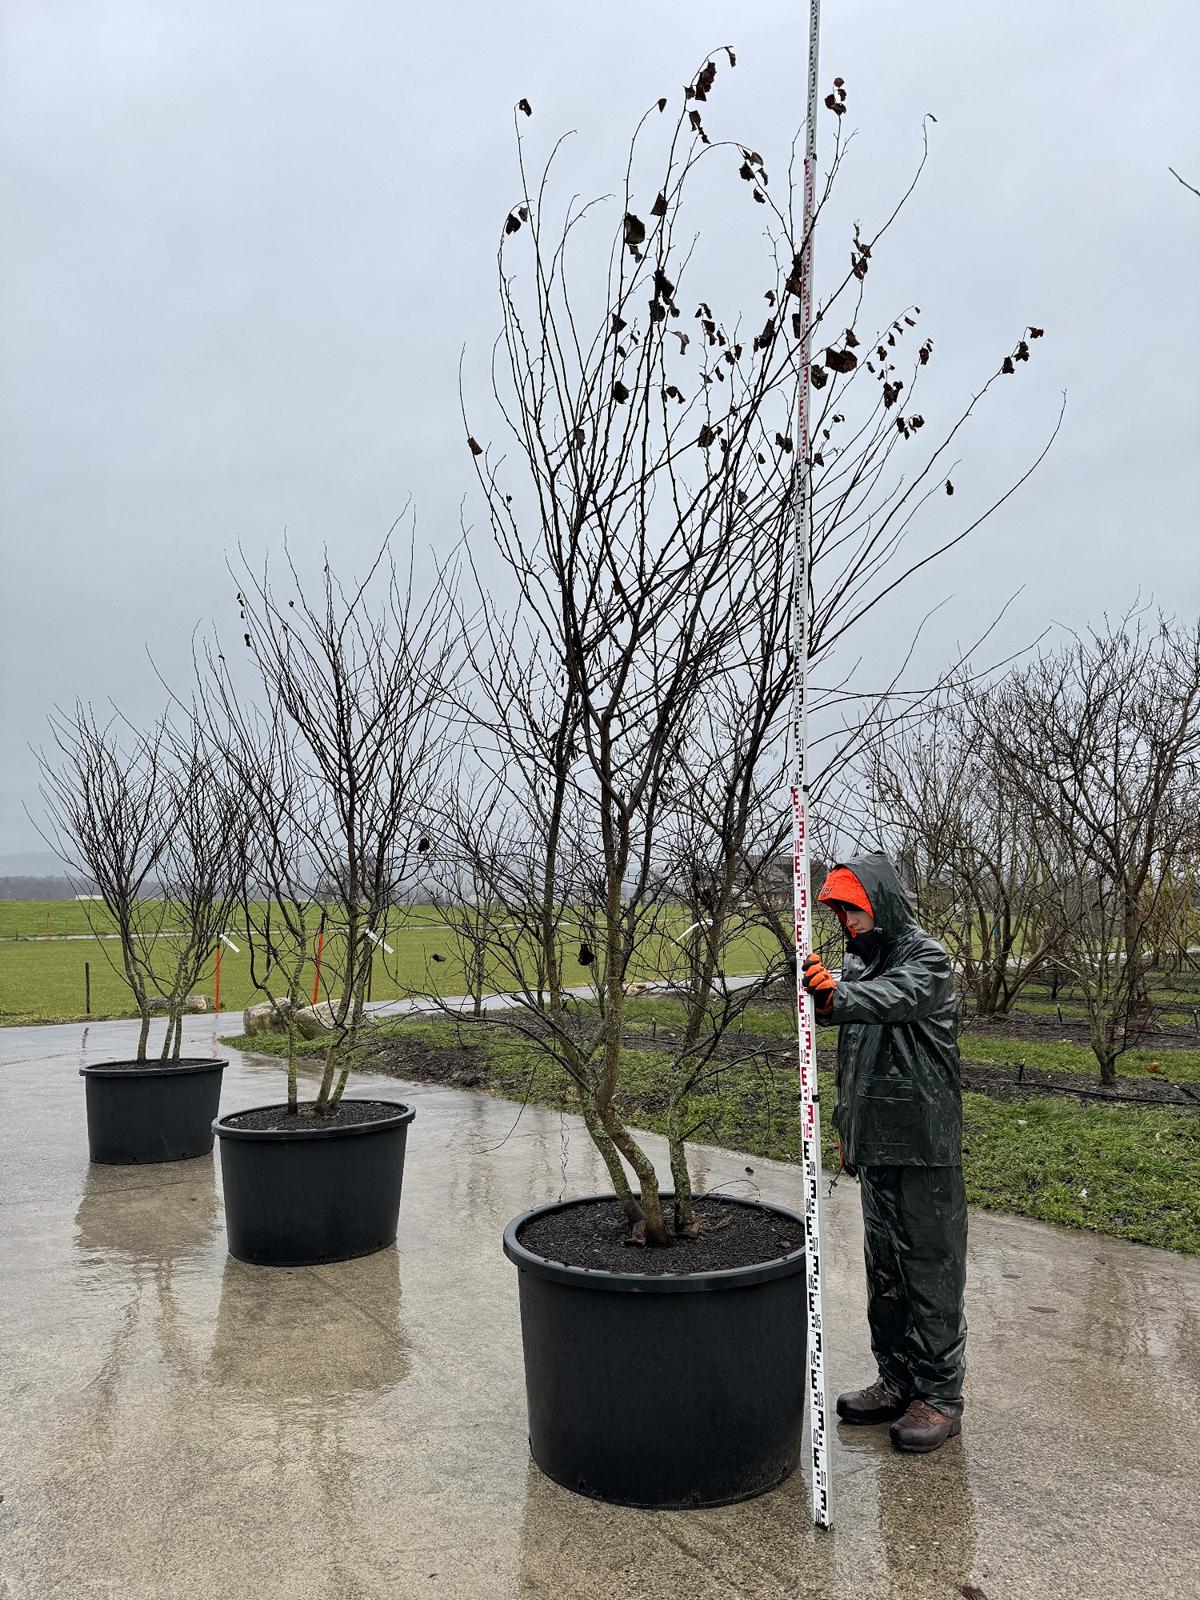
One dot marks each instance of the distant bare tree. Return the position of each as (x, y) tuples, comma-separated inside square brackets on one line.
[(1103, 739), (473, 851), (946, 804)]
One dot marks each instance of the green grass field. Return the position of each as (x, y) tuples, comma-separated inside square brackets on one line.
[(43, 980), (1118, 1170), (35, 919)]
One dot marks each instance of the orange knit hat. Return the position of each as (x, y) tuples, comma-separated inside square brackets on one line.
[(841, 884)]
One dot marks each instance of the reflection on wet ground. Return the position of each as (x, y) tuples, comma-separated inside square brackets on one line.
[(181, 1424)]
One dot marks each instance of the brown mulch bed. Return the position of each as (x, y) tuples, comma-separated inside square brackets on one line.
[(1000, 1080), (1018, 1083), (422, 1061), (465, 1066), (1166, 1037)]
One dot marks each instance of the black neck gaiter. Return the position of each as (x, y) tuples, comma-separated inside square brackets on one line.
[(866, 946)]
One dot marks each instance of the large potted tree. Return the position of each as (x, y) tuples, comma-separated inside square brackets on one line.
[(148, 820), (336, 760), (631, 714)]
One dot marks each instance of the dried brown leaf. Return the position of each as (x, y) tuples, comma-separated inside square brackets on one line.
[(704, 81)]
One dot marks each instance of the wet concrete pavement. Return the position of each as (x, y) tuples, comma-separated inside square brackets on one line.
[(177, 1424)]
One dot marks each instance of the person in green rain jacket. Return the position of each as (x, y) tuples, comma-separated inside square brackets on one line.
[(899, 1122)]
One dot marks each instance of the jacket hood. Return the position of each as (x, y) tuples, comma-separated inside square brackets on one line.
[(893, 914)]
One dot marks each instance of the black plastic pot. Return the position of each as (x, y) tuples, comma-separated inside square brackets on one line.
[(659, 1390), (302, 1195), (156, 1111)]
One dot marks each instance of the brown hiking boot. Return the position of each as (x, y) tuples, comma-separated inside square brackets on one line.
[(923, 1428), (867, 1406)]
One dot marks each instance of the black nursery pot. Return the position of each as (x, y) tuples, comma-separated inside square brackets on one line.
[(151, 1111), (658, 1390), (298, 1196)]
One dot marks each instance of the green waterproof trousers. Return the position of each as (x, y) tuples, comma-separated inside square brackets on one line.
[(915, 1224)]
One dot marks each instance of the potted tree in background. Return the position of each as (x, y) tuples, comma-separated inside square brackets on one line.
[(150, 821), (631, 713), (337, 760)]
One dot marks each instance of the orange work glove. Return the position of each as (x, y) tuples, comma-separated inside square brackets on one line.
[(819, 982)]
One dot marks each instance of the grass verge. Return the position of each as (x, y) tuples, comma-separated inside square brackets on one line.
[(1118, 1170), (1053, 1055)]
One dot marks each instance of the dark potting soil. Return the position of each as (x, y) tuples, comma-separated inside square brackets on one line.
[(156, 1064), (347, 1114), (594, 1235)]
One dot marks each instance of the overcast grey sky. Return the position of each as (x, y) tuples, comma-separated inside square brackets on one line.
[(243, 244)]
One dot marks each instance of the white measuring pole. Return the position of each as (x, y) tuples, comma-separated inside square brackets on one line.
[(810, 1110)]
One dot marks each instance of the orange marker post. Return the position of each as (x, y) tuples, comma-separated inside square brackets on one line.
[(317, 977)]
